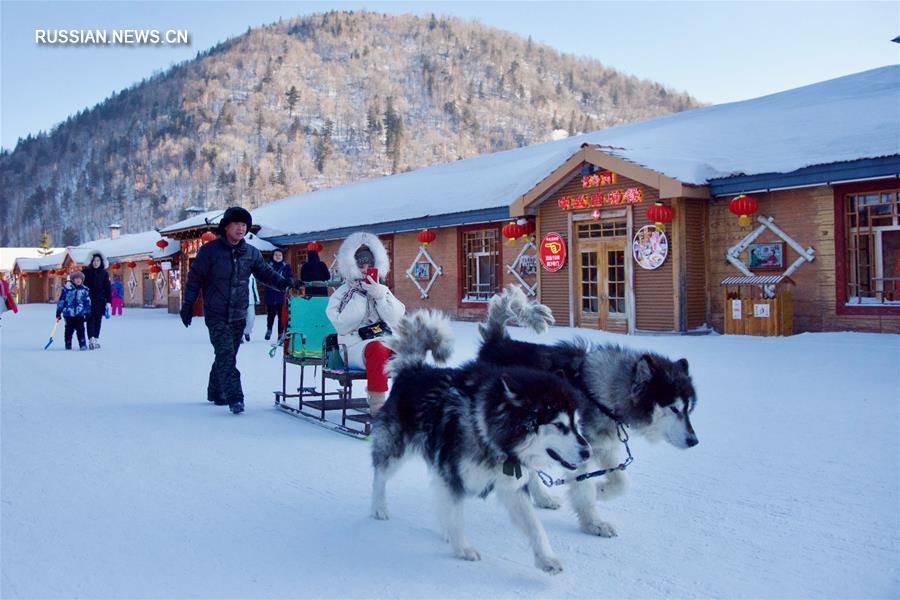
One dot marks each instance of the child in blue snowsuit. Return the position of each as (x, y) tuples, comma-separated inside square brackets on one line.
[(75, 305)]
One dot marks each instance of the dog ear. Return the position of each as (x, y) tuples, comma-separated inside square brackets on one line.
[(643, 373), (508, 390), (683, 363)]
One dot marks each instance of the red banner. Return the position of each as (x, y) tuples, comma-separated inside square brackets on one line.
[(553, 252)]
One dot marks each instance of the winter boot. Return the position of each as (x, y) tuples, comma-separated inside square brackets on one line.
[(268, 334), (376, 401), (69, 346), (90, 343), (246, 337), (236, 408), (96, 343), (82, 347)]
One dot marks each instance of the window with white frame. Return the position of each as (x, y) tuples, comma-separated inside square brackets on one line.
[(872, 226), (481, 266)]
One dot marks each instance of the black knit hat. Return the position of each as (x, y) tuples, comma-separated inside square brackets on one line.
[(235, 214)]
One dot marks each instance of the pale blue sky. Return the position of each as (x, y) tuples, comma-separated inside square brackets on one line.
[(717, 51)]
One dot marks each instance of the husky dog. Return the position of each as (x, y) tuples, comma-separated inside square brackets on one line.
[(479, 427), (649, 393)]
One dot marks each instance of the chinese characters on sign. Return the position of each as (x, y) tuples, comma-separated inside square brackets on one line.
[(632, 195), (598, 179), (553, 252)]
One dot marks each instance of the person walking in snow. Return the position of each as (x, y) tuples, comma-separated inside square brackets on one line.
[(253, 295), (7, 302), (118, 296), (74, 305), (362, 309), (314, 270), (275, 298), (97, 281), (222, 272)]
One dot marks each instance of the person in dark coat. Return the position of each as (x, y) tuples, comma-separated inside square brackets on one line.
[(97, 281), (222, 272), (275, 298), (74, 305), (314, 270)]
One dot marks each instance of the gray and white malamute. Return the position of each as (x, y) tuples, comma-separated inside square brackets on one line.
[(649, 393), (480, 428)]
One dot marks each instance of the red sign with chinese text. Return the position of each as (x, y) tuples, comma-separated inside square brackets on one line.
[(632, 195), (553, 252)]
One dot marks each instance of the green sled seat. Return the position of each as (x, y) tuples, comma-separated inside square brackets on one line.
[(311, 342)]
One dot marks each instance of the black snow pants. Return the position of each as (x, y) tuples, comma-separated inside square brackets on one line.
[(224, 378), (273, 311), (95, 320), (75, 325)]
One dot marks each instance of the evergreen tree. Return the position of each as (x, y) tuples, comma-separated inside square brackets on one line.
[(292, 97)]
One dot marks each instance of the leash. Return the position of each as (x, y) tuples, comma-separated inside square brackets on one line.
[(622, 433)]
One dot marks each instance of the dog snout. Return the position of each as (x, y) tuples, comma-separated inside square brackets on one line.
[(692, 441), (585, 453)]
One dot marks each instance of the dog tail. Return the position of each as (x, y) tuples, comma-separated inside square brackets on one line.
[(415, 335), (513, 304)]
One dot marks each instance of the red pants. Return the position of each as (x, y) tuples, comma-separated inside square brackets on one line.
[(376, 356), (116, 306)]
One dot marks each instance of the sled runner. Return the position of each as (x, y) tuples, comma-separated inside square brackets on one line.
[(310, 341)]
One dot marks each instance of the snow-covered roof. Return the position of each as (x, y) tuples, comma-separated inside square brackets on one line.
[(212, 217), (39, 263), (129, 245), (8, 256), (844, 119), (259, 243)]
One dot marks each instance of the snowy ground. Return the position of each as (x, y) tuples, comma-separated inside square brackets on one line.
[(119, 480)]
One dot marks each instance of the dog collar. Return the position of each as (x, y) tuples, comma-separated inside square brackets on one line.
[(512, 468)]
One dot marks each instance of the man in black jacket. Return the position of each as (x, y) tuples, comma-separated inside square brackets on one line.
[(222, 271)]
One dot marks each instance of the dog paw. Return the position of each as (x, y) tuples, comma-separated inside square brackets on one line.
[(548, 564), (468, 553), (380, 513), (599, 528), (546, 501)]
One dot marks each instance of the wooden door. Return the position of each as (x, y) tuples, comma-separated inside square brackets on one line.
[(601, 284)]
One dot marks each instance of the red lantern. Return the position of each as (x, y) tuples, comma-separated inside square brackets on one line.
[(511, 231), (426, 236), (151, 263), (161, 244), (115, 266), (155, 269), (207, 236), (132, 265), (660, 214), (314, 247), (23, 275), (743, 206), (527, 226)]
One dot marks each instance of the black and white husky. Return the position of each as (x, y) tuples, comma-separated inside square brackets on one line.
[(649, 393), (480, 428)]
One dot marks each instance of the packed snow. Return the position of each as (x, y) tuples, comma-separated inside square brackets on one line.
[(119, 480)]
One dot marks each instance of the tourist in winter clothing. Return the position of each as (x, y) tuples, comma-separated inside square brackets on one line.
[(275, 298), (97, 281), (118, 296), (253, 296), (74, 305), (314, 270), (7, 302), (222, 272), (362, 307)]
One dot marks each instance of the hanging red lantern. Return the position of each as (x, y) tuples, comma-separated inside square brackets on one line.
[(207, 236), (132, 265), (528, 228), (115, 266), (155, 269), (743, 206), (511, 231), (660, 214), (426, 236), (23, 275), (151, 262), (314, 247), (161, 244)]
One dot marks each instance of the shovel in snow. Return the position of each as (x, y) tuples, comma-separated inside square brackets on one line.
[(52, 333)]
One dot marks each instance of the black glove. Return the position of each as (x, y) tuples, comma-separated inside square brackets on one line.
[(297, 284), (186, 315), (58, 315)]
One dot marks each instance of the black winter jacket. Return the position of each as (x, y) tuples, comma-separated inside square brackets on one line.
[(272, 295), (314, 270), (97, 281), (222, 272)]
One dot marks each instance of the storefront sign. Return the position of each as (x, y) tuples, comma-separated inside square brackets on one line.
[(165, 265), (632, 195), (553, 252), (598, 179), (736, 310), (761, 311), (651, 247)]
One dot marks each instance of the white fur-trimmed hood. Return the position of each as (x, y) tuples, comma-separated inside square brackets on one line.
[(346, 263)]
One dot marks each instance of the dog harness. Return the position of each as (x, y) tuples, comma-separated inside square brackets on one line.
[(621, 432)]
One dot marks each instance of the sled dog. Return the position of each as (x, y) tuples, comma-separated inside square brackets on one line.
[(480, 429), (649, 393)]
